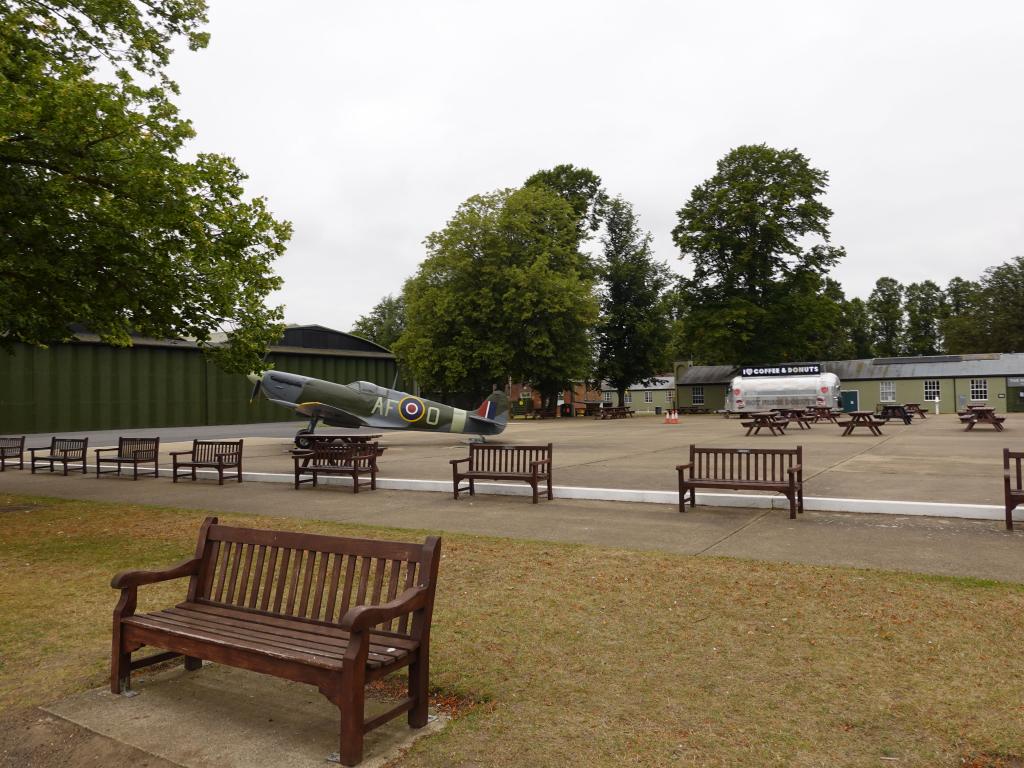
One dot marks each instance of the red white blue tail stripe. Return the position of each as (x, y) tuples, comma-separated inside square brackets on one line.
[(487, 410)]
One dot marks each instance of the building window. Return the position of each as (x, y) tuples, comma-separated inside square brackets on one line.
[(698, 395), (931, 389), (608, 397), (979, 389), (648, 396), (629, 398), (887, 391), (670, 396)]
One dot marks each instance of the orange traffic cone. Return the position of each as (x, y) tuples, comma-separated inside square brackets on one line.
[(668, 416), (675, 416)]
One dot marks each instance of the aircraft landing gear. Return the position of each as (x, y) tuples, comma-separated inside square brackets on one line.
[(302, 436)]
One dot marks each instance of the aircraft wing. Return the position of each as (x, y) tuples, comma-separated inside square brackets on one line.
[(328, 414), (484, 426)]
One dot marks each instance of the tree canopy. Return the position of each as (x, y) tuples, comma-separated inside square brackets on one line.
[(504, 291), (885, 310), (385, 323), (634, 329), (101, 223), (581, 188), (747, 232)]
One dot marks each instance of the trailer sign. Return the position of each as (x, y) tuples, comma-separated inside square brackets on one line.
[(805, 369)]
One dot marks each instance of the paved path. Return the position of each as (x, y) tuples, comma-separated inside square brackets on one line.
[(982, 549)]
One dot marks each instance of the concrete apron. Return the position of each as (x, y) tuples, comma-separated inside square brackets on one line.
[(232, 718), (742, 500)]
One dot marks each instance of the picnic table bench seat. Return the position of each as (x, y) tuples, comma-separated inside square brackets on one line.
[(209, 454), (130, 450), (329, 611), (62, 450), (353, 460), (1013, 483), (12, 449), (754, 469), (528, 463)]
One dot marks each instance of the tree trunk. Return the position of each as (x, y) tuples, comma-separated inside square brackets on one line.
[(622, 397)]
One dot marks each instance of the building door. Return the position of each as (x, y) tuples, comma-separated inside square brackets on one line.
[(850, 400), (1015, 399)]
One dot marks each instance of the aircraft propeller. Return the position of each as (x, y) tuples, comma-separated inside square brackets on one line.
[(256, 387)]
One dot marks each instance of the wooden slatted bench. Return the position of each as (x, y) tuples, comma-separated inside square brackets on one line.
[(353, 460), (210, 454), (130, 450), (333, 612), (754, 469), (529, 463), (11, 449), (62, 450), (1013, 483)]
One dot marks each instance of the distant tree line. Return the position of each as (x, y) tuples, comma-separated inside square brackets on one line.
[(510, 287)]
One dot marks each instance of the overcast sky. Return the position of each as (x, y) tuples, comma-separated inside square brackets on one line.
[(366, 124)]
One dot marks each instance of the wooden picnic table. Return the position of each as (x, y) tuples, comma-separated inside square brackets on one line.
[(615, 412), (588, 407), (981, 414), (799, 415), (914, 409), (888, 411), (824, 413), (769, 420), (861, 420)]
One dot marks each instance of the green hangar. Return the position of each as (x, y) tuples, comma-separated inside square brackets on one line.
[(89, 385), (954, 380)]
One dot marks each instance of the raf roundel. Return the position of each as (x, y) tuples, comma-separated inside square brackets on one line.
[(411, 409)]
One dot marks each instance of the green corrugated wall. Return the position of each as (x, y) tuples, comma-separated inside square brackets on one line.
[(75, 387)]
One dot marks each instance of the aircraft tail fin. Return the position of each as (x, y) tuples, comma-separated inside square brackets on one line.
[(494, 408)]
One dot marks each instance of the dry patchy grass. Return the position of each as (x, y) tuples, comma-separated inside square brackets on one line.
[(591, 656)]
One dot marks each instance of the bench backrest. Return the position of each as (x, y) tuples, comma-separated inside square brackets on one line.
[(1016, 471), (207, 450), (71, 447), (344, 454), (309, 576), (144, 448), (754, 464), (506, 458), (12, 445)]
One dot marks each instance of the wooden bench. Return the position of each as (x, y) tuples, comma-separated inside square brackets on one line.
[(754, 469), (1012, 483), (62, 450), (131, 450), (12, 448), (529, 463), (333, 612), (353, 460), (212, 454)]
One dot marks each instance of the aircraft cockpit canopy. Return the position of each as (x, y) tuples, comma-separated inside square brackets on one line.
[(368, 387)]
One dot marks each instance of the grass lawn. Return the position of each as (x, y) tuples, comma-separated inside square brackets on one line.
[(591, 656)]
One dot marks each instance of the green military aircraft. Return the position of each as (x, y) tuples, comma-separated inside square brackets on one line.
[(362, 404)]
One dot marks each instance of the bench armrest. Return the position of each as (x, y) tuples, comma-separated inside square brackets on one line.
[(181, 453), (538, 462), (681, 467), (455, 462), (128, 579), (101, 450), (363, 617), (794, 469)]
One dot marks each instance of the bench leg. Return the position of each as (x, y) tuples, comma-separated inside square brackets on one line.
[(120, 671), (418, 679), (472, 487), (535, 495), (350, 703), (192, 663)]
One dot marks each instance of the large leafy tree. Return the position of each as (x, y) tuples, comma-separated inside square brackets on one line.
[(885, 310), (925, 306), (634, 330), (385, 323), (756, 234), (963, 327), (504, 291), (857, 323), (1002, 291), (101, 223)]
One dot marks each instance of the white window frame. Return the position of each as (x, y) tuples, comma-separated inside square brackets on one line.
[(607, 396), (979, 386), (648, 396), (932, 390), (670, 395), (887, 391), (698, 394), (629, 398)]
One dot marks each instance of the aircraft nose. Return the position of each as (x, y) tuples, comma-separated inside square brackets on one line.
[(280, 385)]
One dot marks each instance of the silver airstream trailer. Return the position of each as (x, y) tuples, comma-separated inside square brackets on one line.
[(753, 393)]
